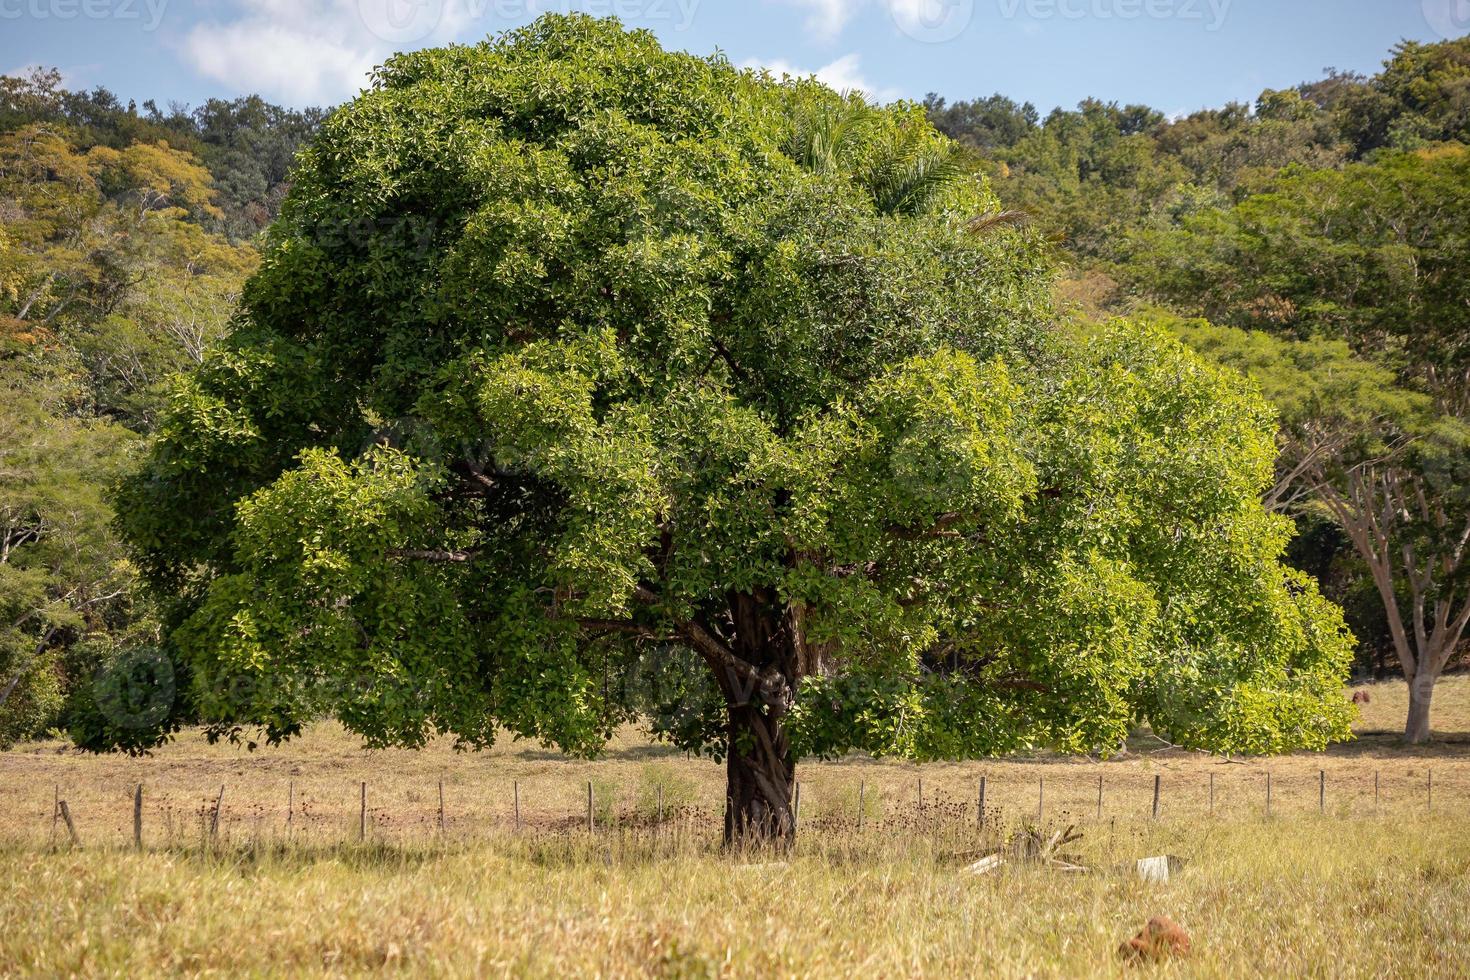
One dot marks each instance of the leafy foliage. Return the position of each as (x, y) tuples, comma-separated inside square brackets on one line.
[(1372, 254), (247, 144), (62, 572), (109, 283), (1097, 174), (582, 379), (1321, 231), (1422, 96)]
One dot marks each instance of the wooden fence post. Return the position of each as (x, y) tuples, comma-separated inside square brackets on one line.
[(71, 828), (138, 817), (516, 787), (1158, 785), (591, 827), (980, 810)]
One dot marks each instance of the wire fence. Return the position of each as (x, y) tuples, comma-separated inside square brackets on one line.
[(163, 813)]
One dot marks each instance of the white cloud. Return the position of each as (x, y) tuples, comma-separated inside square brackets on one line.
[(844, 75), (314, 51), (279, 62), (910, 10), (932, 21), (825, 19), (922, 20), (323, 51)]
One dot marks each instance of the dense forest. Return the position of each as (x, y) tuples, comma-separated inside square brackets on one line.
[(125, 237), (1314, 240)]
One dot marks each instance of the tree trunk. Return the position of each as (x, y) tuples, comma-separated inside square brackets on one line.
[(760, 766), (761, 776), (1421, 694)]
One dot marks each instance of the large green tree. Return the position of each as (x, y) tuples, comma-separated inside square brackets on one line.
[(583, 381)]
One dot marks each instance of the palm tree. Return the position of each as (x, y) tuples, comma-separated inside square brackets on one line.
[(904, 168)]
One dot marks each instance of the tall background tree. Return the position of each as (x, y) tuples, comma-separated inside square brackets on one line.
[(582, 381)]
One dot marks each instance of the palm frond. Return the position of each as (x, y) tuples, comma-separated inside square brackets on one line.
[(996, 219), (822, 140), (910, 177)]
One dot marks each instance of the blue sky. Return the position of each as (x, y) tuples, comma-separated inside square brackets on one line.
[(1176, 55)]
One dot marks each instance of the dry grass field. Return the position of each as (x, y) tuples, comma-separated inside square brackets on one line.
[(1355, 887)]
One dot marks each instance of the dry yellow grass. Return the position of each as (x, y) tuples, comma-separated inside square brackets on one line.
[(1351, 892), (1278, 900)]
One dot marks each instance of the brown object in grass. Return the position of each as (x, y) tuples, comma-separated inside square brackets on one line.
[(1362, 697), (1160, 939)]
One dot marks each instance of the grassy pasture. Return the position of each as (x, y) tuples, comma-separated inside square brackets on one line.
[(1352, 891)]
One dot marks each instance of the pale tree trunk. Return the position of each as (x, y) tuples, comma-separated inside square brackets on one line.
[(1375, 507), (1436, 649), (1421, 696)]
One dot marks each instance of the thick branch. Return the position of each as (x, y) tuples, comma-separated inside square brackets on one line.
[(443, 557), (720, 658), (483, 478), (5, 694), (1353, 516), (25, 668), (620, 626), (939, 529), (730, 362)]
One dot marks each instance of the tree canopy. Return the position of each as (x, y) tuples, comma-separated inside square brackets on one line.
[(1093, 175), (1371, 254), (583, 381), (247, 144)]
